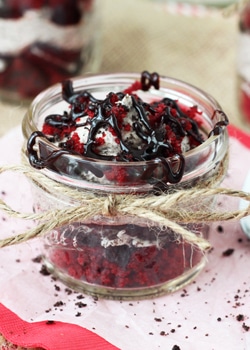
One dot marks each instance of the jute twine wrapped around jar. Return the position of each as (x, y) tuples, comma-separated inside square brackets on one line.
[(165, 210)]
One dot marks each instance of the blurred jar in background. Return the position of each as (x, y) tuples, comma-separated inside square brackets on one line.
[(43, 42), (243, 63)]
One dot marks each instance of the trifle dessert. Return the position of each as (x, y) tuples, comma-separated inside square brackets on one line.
[(118, 139), (45, 42)]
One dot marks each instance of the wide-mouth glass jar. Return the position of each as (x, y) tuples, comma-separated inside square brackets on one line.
[(123, 253), (44, 42)]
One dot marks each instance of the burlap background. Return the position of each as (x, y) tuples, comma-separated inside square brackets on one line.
[(143, 34)]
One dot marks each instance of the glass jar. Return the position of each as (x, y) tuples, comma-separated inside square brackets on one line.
[(44, 42), (121, 255), (243, 64)]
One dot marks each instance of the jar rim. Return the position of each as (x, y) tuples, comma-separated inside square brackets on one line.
[(188, 92)]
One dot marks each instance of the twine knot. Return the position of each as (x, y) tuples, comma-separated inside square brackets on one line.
[(109, 206)]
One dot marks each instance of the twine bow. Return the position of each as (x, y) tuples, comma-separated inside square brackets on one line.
[(170, 210)]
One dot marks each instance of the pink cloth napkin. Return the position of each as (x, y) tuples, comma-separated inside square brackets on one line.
[(49, 335), (240, 135), (210, 313)]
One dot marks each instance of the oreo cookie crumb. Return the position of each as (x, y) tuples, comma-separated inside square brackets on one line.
[(68, 291), (44, 271), (38, 259), (245, 327), (80, 304), (58, 303), (240, 317), (49, 322), (176, 347), (80, 296), (228, 252), (220, 229)]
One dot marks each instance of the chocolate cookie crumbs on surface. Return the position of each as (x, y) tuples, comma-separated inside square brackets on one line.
[(80, 304), (68, 291), (184, 294), (240, 317), (228, 252), (245, 327), (57, 288), (176, 347), (49, 322), (44, 271), (58, 303), (80, 296), (220, 229), (38, 259)]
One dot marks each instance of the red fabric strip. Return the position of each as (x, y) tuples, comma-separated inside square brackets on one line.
[(49, 335), (240, 135)]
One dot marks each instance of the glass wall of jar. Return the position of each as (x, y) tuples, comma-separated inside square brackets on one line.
[(43, 42), (123, 256)]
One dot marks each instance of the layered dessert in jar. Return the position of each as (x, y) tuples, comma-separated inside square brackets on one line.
[(44, 42), (128, 137)]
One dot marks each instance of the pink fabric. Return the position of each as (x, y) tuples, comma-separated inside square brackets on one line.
[(240, 135), (210, 313), (49, 335)]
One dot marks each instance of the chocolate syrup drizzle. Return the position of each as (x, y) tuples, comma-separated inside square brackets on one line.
[(155, 144)]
